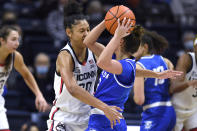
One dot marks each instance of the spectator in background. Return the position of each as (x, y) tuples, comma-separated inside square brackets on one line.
[(95, 12), (55, 24), (10, 18), (44, 80), (187, 39), (29, 126), (44, 7), (23, 8), (43, 77)]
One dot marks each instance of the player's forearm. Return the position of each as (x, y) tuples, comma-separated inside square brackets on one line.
[(139, 91), (30, 81), (146, 73), (79, 92), (179, 87), (106, 56), (138, 94), (92, 37), (87, 98)]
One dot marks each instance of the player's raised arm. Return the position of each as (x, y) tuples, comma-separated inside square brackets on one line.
[(105, 60), (92, 37)]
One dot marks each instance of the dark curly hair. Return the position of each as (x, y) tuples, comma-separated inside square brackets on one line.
[(157, 44), (132, 41)]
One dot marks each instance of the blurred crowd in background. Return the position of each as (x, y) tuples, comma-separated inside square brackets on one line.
[(40, 23)]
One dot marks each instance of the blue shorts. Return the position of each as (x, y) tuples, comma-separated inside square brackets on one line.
[(161, 118), (99, 122)]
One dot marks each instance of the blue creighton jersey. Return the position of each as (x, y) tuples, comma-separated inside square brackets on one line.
[(155, 89), (114, 89)]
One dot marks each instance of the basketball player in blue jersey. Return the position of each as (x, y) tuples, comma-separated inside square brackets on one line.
[(117, 77), (75, 78), (153, 94), (9, 59)]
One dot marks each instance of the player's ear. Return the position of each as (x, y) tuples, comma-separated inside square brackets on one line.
[(68, 32), (121, 42), (146, 46), (1, 41)]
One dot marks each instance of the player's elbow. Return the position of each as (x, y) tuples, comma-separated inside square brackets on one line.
[(101, 63), (72, 89), (86, 42), (139, 100)]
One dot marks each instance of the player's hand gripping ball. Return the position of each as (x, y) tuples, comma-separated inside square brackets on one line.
[(115, 13)]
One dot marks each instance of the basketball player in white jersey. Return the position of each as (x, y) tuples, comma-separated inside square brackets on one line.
[(9, 58), (75, 78), (185, 94)]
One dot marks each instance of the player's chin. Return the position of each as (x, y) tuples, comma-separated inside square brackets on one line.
[(12, 50), (83, 43), (83, 39)]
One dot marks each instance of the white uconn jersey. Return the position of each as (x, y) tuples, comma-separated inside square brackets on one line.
[(85, 75), (187, 99), (5, 74)]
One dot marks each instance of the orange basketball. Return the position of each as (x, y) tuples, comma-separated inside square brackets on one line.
[(115, 13)]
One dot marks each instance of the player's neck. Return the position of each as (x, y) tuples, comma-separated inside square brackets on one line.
[(123, 56), (3, 55), (80, 52), (78, 48), (147, 54)]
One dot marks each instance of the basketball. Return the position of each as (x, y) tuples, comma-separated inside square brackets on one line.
[(115, 13)]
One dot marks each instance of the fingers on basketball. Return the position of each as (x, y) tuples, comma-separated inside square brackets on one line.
[(118, 12)]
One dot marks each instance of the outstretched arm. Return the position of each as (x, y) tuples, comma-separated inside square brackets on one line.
[(105, 60), (91, 38), (160, 75), (19, 65)]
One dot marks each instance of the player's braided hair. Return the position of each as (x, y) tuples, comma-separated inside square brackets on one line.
[(4, 33)]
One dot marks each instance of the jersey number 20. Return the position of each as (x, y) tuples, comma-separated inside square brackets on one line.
[(86, 86)]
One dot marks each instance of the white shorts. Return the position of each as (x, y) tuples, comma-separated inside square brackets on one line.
[(64, 121), (3, 118), (188, 120), (60, 126)]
